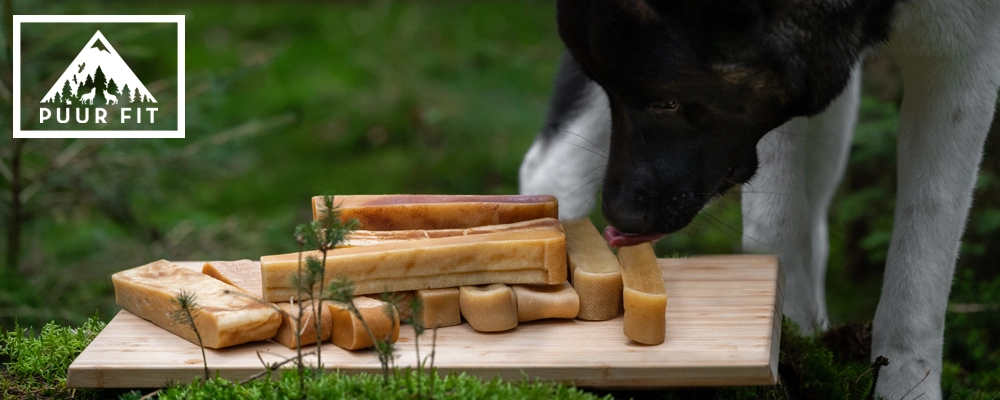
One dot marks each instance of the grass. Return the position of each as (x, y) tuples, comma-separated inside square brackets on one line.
[(286, 101)]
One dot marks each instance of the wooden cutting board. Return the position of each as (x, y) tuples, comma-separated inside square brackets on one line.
[(723, 328)]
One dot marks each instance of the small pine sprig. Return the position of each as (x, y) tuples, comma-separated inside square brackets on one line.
[(185, 314)]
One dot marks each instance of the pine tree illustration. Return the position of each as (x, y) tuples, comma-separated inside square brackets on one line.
[(67, 92), (135, 97), (127, 93)]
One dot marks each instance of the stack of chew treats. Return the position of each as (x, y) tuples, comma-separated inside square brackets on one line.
[(495, 261)]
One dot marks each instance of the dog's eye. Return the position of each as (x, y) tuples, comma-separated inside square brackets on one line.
[(665, 106)]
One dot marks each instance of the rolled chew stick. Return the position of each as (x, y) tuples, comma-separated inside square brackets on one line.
[(224, 318), (488, 308), (400, 300), (644, 295), (367, 238), (348, 330), (536, 302), (440, 308), (404, 211), (510, 257), (594, 271), (306, 324), (243, 274)]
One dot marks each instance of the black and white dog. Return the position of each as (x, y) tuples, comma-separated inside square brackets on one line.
[(683, 94)]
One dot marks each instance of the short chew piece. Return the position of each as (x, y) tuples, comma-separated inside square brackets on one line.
[(244, 274), (645, 296), (406, 211), (440, 308), (400, 300), (594, 271), (510, 257), (350, 333), (536, 302), (286, 332), (225, 319), (488, 308)]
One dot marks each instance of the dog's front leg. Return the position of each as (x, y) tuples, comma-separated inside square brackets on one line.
[(946, 111), (568, 157), (785, 204)]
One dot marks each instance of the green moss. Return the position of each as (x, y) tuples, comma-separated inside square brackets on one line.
[(38, 364)]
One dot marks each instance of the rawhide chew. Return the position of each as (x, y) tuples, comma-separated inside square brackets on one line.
[(408, 211), (536, 302), (594, 271), (645, 297), (244, 274), (488, 308), (349, 331), (306, 324), (440, 308)]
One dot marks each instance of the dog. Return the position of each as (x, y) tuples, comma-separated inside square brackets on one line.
[(671, 103)]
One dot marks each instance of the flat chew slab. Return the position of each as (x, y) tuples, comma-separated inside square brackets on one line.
[(488, 308), (367, 238), (306, 324), (594, 271), (225, 319), (243, 274), (536, 302), (440, 308), (645, 296), (350, 333), (510, 257), (408, 211)]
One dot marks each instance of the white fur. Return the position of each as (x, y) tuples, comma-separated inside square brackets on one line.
[(570, 165)]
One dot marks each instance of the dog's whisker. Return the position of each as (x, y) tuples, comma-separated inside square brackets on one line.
[(604, 156), (605, 151), (740, 231), (593, 181)]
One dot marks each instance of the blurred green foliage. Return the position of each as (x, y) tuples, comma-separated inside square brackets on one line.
[(286, 101)]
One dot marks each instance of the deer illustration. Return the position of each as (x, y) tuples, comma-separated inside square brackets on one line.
[(110, 98), (89, 97)]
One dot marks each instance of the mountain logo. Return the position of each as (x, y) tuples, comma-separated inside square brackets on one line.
[(98, 75), (98, 93)]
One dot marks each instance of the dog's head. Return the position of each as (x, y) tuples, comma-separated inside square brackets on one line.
[(693, 86)]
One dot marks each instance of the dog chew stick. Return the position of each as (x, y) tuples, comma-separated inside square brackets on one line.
[(350, 333), (509, 257), (367, 238), (440, 308), (306, 324), (536, 302), (224, 318), (405, 211), (644, 295), (594, 271), (488, 308), (243, 274)]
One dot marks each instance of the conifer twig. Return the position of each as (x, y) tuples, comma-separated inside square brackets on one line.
[(185, 314)]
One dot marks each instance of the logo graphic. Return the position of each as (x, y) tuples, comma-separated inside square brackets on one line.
[(98, 94), (98, 64)]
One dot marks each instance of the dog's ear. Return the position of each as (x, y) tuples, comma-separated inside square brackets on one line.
[(573, 18)]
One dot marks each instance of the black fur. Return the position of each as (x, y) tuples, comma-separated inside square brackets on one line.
[(693, 86), (570, 89)]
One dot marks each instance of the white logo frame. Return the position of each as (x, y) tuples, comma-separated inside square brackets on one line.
[(123, 134)]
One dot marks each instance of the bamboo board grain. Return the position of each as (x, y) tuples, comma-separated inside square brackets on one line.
[(723, 328)]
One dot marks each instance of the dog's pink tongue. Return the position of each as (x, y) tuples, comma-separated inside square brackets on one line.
[(617, 238)]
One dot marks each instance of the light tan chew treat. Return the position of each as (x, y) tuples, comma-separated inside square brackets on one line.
[(508, 257), (225, 319), (401, 302), (350, 333), (536, 302), (440, 308), (405, 211), (488, 308), (367, 238), (645, 296), (594, 271), (286, 332), (244, 274)]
